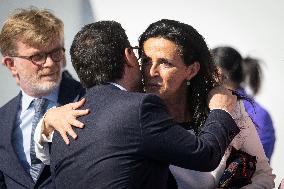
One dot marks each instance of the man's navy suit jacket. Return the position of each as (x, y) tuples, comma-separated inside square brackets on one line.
[(12, 174), (128, 141)]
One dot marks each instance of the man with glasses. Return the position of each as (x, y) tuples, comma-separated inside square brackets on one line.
[(32, 45)]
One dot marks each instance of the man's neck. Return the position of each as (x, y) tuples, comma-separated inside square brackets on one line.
[(119, 86), (124, 84)]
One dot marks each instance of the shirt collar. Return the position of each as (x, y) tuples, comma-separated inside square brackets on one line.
[(26, 99), (117, 85)]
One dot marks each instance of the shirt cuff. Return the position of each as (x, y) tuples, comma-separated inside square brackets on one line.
[(218, 172), (42, 142)]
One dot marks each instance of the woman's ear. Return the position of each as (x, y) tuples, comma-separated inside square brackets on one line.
[(192, 70)]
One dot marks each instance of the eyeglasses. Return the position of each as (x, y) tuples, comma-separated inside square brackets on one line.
[(40, 58), (137, 51)]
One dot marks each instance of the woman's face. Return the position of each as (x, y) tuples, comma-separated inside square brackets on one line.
[(163, 69)]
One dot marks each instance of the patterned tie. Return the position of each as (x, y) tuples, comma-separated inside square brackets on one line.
[(40, 106)]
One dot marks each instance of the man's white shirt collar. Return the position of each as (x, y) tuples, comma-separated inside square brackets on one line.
[(119, 86), (26, 99)]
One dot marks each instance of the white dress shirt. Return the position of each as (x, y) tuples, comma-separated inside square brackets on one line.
[(21, 136)]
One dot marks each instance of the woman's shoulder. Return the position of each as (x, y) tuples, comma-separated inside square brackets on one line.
[(245, 124)]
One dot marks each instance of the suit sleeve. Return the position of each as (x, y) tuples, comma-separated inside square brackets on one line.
[(164, 140), (2, 181)]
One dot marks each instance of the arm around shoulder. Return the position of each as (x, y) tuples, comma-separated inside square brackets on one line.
[(164, 140)]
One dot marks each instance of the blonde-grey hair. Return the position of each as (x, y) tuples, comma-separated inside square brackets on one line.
[(33, 27)]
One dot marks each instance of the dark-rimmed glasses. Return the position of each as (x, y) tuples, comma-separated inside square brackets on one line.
[(137, 51), (39, 59)]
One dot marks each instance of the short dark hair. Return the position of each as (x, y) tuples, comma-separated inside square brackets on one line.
[(192, 47), (97, 53)]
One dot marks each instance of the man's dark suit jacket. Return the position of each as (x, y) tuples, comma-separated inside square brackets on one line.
[(128, 141), (12, 174)]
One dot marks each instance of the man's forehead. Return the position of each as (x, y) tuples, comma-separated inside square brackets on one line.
[(38, 46)]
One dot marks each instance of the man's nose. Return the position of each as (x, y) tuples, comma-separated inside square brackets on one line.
[(49, 62)]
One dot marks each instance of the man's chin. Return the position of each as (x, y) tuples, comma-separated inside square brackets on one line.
[(46, 87)]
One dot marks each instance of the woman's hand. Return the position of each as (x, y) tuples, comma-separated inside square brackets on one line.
[(222, 98), (63, 118)]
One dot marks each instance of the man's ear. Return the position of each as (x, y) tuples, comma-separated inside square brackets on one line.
[(192, 70), (9, 63), (129, 57)]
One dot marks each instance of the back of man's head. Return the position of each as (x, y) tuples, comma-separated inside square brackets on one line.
[(33, 27), (97, 53)]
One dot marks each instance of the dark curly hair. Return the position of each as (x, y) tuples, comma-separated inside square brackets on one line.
[(192, 49), (97, 53)]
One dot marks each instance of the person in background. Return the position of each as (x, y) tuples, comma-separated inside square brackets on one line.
[(237, 73), (178, 67), (32, 45)]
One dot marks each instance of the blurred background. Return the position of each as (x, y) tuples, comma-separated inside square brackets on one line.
[(252, 27)]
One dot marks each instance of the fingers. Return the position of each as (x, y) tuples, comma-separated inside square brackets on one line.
[(67, 130), (78, 104), (71, 132), (65, 137), (76, 123), (73, 105), (78, 113)]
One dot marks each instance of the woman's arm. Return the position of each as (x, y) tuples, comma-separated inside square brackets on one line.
[(248, 141)]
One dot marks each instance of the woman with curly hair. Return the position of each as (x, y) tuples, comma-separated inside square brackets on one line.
[(178, 67)]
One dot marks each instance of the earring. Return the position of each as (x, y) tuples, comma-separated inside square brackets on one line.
[(187, 82)]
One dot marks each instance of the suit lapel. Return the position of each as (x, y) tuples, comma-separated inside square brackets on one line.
[(12, 166), (70, 90)]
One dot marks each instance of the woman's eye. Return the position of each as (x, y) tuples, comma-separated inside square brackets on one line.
[(166, 64)]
